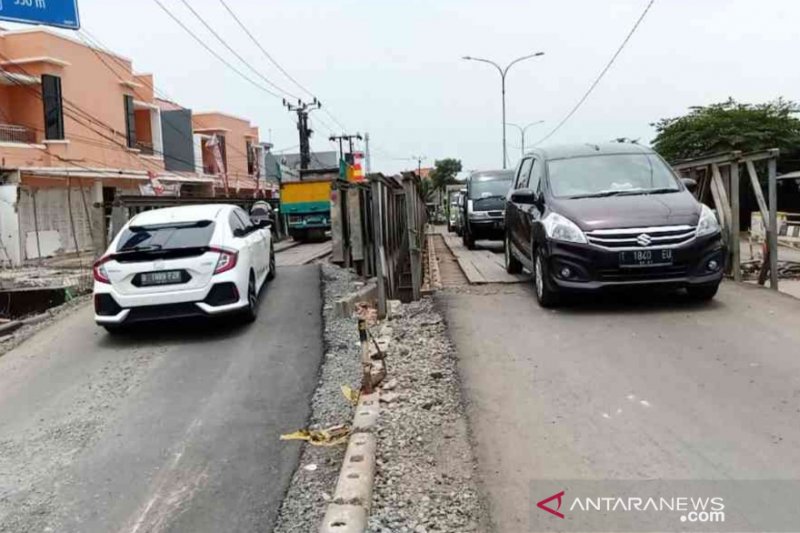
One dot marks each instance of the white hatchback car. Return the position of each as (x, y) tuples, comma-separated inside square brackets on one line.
[(202, 260)]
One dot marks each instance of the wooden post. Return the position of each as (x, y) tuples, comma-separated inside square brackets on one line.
[(735, 251), (378, 244), (413, 237), (366, 362), (773, 222)]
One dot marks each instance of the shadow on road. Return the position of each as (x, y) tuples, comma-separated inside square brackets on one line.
[(183, 330), (632, 301)]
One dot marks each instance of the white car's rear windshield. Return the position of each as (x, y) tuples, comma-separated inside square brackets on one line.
[(169, 236)]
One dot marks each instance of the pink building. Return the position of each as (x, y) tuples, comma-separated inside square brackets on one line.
[(78, 127)]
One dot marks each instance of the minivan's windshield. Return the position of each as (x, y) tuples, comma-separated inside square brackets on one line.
[(610, 175), (490, 186), (168, 236)]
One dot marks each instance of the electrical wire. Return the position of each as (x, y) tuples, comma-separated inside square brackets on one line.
[(275, 62), (599, 77), (234, 52), (214, 52)]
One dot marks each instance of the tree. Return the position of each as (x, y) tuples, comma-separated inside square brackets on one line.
[(444, 172), (729, 126)]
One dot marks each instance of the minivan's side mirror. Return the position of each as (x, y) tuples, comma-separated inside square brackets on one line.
[(523, 196), (689, 183), (239, 232), (264, 223)]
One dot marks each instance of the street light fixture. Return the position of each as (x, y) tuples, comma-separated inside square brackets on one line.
[(503, 72), (522, 132)]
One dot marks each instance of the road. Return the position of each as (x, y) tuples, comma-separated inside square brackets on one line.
[(166, 429), (303, 254), (629, 388)]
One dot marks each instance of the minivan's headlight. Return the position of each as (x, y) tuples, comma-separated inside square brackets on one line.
[(479, 214), (562, 229), (708, 224)]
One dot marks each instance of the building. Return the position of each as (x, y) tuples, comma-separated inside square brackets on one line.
[(235, 142), (79, 128)]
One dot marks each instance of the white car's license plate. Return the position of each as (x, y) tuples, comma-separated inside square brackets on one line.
[(166, 277)]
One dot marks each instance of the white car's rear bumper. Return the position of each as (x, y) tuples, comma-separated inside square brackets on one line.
[(164, 305)]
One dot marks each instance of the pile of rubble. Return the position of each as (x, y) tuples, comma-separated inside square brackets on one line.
[(425, 479)]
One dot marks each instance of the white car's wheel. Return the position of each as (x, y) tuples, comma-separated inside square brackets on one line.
[(251, 311)]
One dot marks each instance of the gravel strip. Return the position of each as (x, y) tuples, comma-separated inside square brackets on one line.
[(312, 486), (426, 478)]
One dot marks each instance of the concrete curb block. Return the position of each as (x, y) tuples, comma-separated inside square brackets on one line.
[(349, 510), (345, 307)]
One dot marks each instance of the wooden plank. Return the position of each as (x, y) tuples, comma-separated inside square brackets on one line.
[(762, 203), (736, 267)]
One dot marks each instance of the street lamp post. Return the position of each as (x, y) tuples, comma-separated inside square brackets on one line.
[(522, 132), (503, 72)]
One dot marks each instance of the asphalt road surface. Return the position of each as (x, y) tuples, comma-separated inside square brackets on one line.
[(627, 388), (172, 428)]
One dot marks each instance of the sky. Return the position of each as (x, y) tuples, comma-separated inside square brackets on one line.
[(394, 68)]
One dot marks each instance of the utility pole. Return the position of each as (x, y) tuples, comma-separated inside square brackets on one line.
[(367, 161), (345, 137), (303, 109), (419, 159)]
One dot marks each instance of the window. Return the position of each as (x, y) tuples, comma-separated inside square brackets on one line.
[(613, 174), (236, 222), (524, 172), (170, 236), (245, 219), (53, 108), (536, 176), (130, 121), (251, 160)]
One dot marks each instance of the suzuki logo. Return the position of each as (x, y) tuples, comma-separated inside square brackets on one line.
[(644, 239), (543, 504)]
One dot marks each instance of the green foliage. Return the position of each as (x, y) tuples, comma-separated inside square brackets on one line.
[(728, 126), (444, 172)]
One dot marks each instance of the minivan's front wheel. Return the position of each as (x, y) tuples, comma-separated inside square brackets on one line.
[(546, 296), (513, 266), (703, 293)]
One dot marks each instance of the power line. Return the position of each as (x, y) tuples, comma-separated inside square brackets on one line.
[(214, 52), (234, 52), (90, 41), (599, 77), (275, 62)]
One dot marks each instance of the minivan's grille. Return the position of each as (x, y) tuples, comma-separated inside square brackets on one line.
[(644, 274), (641, 238)]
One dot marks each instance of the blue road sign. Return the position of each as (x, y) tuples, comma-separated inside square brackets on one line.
[(59, 13)]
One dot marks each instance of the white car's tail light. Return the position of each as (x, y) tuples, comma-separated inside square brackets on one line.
[(99, 270), (227, 259)]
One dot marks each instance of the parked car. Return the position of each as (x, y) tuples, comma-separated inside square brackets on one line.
[(204, 260), (483, 208), (458, 222), (594, 217), (452, 210)]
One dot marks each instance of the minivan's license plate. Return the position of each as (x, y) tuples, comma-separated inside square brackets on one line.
[(166, 277), (643, 258)]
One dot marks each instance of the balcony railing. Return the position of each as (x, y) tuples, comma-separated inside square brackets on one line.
[(12, 133), (145, 148)]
